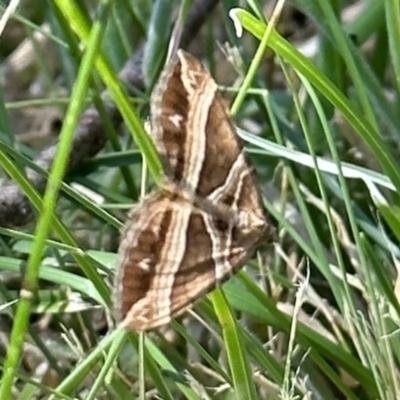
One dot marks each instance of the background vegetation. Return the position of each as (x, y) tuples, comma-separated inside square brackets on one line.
[(316, 100)]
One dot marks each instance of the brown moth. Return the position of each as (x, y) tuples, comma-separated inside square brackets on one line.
[(206, 221)]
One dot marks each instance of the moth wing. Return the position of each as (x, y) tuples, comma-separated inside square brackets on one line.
[(191, 124), (194, 133), (171, 254), (152, 250)]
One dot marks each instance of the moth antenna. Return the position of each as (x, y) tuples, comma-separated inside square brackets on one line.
[(176, 34)]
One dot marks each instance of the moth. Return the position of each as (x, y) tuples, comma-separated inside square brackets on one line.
[(205, 221)]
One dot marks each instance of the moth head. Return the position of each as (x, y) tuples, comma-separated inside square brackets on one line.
[(250, 226)]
